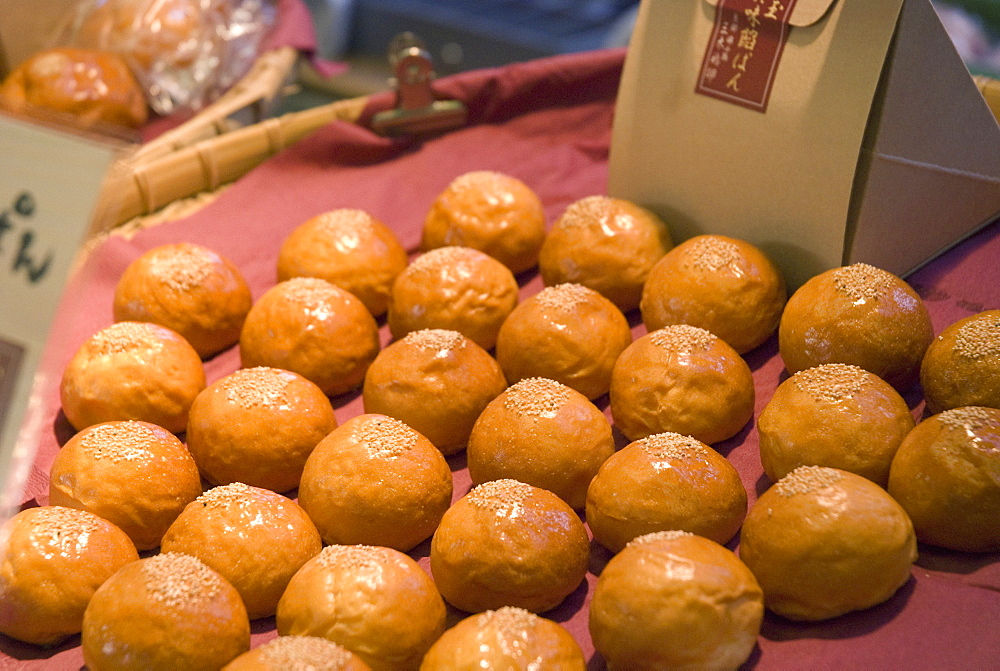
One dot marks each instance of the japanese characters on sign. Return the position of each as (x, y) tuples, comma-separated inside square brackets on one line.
[(744, 51)]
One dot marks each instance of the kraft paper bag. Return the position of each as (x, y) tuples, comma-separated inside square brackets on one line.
[(826, 132)]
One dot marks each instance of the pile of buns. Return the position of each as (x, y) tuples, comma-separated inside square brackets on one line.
[(276, 509)]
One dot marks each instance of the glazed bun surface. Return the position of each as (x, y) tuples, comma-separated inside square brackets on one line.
[(298, 653), (607, 244), (962, 365)]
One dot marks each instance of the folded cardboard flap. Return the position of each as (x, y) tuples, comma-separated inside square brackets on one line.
[(875, 144), (29, 26)]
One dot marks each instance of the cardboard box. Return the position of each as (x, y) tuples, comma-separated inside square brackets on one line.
[(871, 143), (28, 26)]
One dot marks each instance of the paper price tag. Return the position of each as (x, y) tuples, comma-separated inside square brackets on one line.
[(50, 182)]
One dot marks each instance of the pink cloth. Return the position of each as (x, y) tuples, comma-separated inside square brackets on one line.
[(548, 123)]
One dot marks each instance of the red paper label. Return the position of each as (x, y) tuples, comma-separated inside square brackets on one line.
[(744, 51)]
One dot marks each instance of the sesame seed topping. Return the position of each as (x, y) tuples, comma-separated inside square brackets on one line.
[(536, 397), (435, 339), (181, 267), (668, 445), (979, 338), (353, 557), (710, 253), (386, 438), (682, 338), (485, 180), (126, 336), (504, 497), (259, 387), (564, 297), (176, 580), (223, 496), (585, 212), (832, 382), (345, 221), (807, 479), (62, 527), (305, 653), (510, 621), (441, 258), (970, 418), (862, 282), (668, 535), (310, 292), (119, 441)]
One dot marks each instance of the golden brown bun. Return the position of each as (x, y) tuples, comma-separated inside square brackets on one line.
[(681, 379), (313, 328), (376, 602), (258, 426), (456, 288), (148, 34), (834, 415), (91, 86), (946, 475), (298, 653), (506, 543), (166, 612), (962, 365), (723, 285), (674, 600), (489, 211), (509, 638), (254, 538), (189, 289), (436, 381), (567, 333), (665, 482), (607, 244), (349, 248), (376, 481), (859, 315), (543, 433), (135, 474), (823, 542), (132, 370), (53, 560)]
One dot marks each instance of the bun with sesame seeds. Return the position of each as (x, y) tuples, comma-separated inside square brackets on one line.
[(375, 601), (437, 381), (723, 285), (100, 468), (506, 543), (187, 288), (607, 244), (662, 482), (542, 433), (946, 475), (506, 638), (298, 653), (858, 315), (52, 560), (313, 328), (962, 365), (256, 539), (567, 333), (489, 211), (823, 542), (166, 612), (376, 481), (258, 426), (681, 379), (457, 288), (132, 370), (834, 415), (349, 248), (674, 600)]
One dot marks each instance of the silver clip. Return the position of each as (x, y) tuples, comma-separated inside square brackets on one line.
[(417, 111)]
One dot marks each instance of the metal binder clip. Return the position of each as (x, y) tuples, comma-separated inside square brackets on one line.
[(417, 111)]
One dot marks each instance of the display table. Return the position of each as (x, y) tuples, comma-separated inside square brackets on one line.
[(548, 123)]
